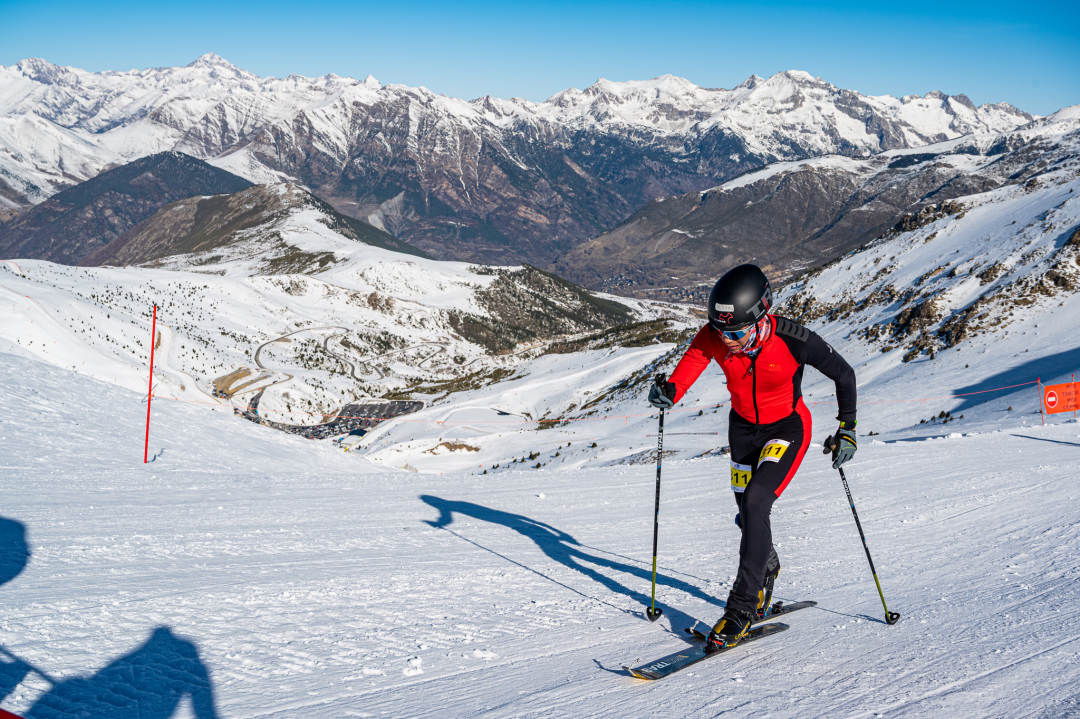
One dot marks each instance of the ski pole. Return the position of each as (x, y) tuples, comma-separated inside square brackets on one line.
[(652, 612), (890, 617), (31, 667)]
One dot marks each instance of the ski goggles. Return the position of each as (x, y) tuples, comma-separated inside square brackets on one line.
[(738, 334)]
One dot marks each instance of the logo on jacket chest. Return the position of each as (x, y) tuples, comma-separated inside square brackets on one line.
[(743, 367)]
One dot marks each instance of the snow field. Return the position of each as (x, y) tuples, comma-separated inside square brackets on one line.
[(315, 583)]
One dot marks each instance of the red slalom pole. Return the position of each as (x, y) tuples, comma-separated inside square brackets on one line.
[(150, 392)]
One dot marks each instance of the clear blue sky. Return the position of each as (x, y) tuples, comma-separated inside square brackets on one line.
[(1025, 53)]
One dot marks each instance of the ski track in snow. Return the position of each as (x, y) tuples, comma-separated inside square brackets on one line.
[(310, 583)]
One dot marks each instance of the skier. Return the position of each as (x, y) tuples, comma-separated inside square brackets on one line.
[(762, 356)]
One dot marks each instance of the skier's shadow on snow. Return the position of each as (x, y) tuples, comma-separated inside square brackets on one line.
[(1047, 439), (566, 550)]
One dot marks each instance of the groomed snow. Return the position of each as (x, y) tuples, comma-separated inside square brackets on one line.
[(306, 582)]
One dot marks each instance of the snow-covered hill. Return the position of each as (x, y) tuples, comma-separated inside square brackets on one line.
[(363, 322), (992, 264), (485, 180), (265, 229)]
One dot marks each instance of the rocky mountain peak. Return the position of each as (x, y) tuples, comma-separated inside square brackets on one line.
[(964, 100), (750, 83), (800, 76), (45, 72), (211, 59), (219, 68)]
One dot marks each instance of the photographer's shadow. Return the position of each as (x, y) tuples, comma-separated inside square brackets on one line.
[(149, 682)]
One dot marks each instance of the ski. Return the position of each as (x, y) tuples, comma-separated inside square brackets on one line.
[(777, 609), (676, 661)]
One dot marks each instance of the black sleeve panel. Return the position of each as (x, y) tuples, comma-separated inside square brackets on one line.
[(809, 348)]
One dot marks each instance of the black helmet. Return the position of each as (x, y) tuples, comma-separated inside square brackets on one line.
[(739, 298)]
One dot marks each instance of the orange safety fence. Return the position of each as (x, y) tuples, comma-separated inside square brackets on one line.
[(1063, 397)]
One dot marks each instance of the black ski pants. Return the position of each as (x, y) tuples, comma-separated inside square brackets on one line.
[(764, 458)]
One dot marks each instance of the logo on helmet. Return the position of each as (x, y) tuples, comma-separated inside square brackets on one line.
[(720, 307), (725, 317)]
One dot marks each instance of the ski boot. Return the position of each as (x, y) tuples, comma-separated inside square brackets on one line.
[(765, 594), (729, 631)]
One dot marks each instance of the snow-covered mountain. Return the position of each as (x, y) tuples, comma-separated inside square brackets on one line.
[(987, 265), (485, 180), (790, 216), (320, 319)]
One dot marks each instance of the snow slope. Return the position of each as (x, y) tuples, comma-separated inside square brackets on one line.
[(267, 576)]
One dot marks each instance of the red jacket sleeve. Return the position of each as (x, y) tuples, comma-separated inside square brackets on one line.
[(702, 349)]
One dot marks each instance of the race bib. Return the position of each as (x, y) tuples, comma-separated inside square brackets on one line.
[(773, 450), (740, 476)]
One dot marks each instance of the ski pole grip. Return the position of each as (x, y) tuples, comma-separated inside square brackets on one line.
[(830, 445)]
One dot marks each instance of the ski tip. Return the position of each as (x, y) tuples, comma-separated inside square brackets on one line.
[(635, 674)]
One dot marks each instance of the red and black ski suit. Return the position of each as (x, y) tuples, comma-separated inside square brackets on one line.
[(769, 428)]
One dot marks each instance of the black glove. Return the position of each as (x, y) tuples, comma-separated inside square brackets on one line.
[(662, 393), (842, 444)]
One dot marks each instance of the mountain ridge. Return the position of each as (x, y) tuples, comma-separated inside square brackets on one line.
[(488, 180), (791, 216), (209, 227)]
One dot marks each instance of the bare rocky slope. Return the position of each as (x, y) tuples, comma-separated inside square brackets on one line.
[(80, 220), (212, 228)]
